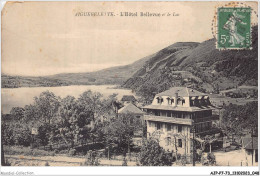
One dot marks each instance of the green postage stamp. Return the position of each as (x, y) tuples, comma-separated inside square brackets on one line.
[(234, 28)]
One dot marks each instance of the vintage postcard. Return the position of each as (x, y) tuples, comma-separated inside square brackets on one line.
[(130, 84)]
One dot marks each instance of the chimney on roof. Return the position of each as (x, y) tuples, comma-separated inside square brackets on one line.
[(175, 99)]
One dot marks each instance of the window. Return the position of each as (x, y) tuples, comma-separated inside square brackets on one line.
[(183, 102), (196, 102), (159, 100), (163, 113), (172, 101), (178, 101), (179, 128), (179, 142), (168, 127), (158, 126), (168, 113), (168, 141), (168, 99)]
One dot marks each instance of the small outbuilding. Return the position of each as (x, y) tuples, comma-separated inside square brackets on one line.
[(133, 110), (250, 148)]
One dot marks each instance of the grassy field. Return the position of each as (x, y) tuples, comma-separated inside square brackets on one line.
[(20, 150), (218, 100)]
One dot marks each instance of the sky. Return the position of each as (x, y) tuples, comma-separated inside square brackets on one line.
[(46, 38)]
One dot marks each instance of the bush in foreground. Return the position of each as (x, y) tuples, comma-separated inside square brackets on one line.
[(152, 154)]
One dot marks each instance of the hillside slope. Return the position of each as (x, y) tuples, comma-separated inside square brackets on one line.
[(113, 75), (200, 66)]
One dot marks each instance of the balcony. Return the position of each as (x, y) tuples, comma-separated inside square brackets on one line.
[(168, 119), (206, 119)]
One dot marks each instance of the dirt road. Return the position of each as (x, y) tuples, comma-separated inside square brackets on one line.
[(19, 160)]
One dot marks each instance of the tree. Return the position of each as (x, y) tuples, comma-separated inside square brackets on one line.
[(47, 105), (152, 154), (21, 134), (43, 134), (7, 135), (120, 131), (30, 114), (17, 113), (90, 101), (73, 118), (237, 118), (144, 130), (147, 93)]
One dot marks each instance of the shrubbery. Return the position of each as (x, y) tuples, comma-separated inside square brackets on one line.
[(209, 159), (72, 152), (212, 159), (152, 154), (92, 159)]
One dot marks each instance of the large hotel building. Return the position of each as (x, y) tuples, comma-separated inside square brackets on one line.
[(172, 115)]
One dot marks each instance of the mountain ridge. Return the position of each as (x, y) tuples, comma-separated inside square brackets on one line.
[(200, 66), (192, 64), (112, 75)]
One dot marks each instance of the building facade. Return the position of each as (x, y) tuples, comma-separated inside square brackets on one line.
[(172, 116), (250, 149)]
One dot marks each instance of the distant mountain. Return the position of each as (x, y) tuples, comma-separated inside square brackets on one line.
[(29, 81), (113, 75), (197, 65)]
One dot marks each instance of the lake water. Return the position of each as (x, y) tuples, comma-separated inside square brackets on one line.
[(13, 97)]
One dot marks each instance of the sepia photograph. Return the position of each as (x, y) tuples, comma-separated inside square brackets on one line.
[(129, 84)]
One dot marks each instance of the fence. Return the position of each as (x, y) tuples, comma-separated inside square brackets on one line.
[(132, 157)]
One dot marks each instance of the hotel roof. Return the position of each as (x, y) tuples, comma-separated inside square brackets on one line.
[(182, 91), (177, 108)]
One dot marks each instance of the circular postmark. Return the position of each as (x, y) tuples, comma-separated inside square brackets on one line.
[(232, 25)]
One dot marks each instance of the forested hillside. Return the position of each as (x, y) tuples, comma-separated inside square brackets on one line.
[(198, 65)]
